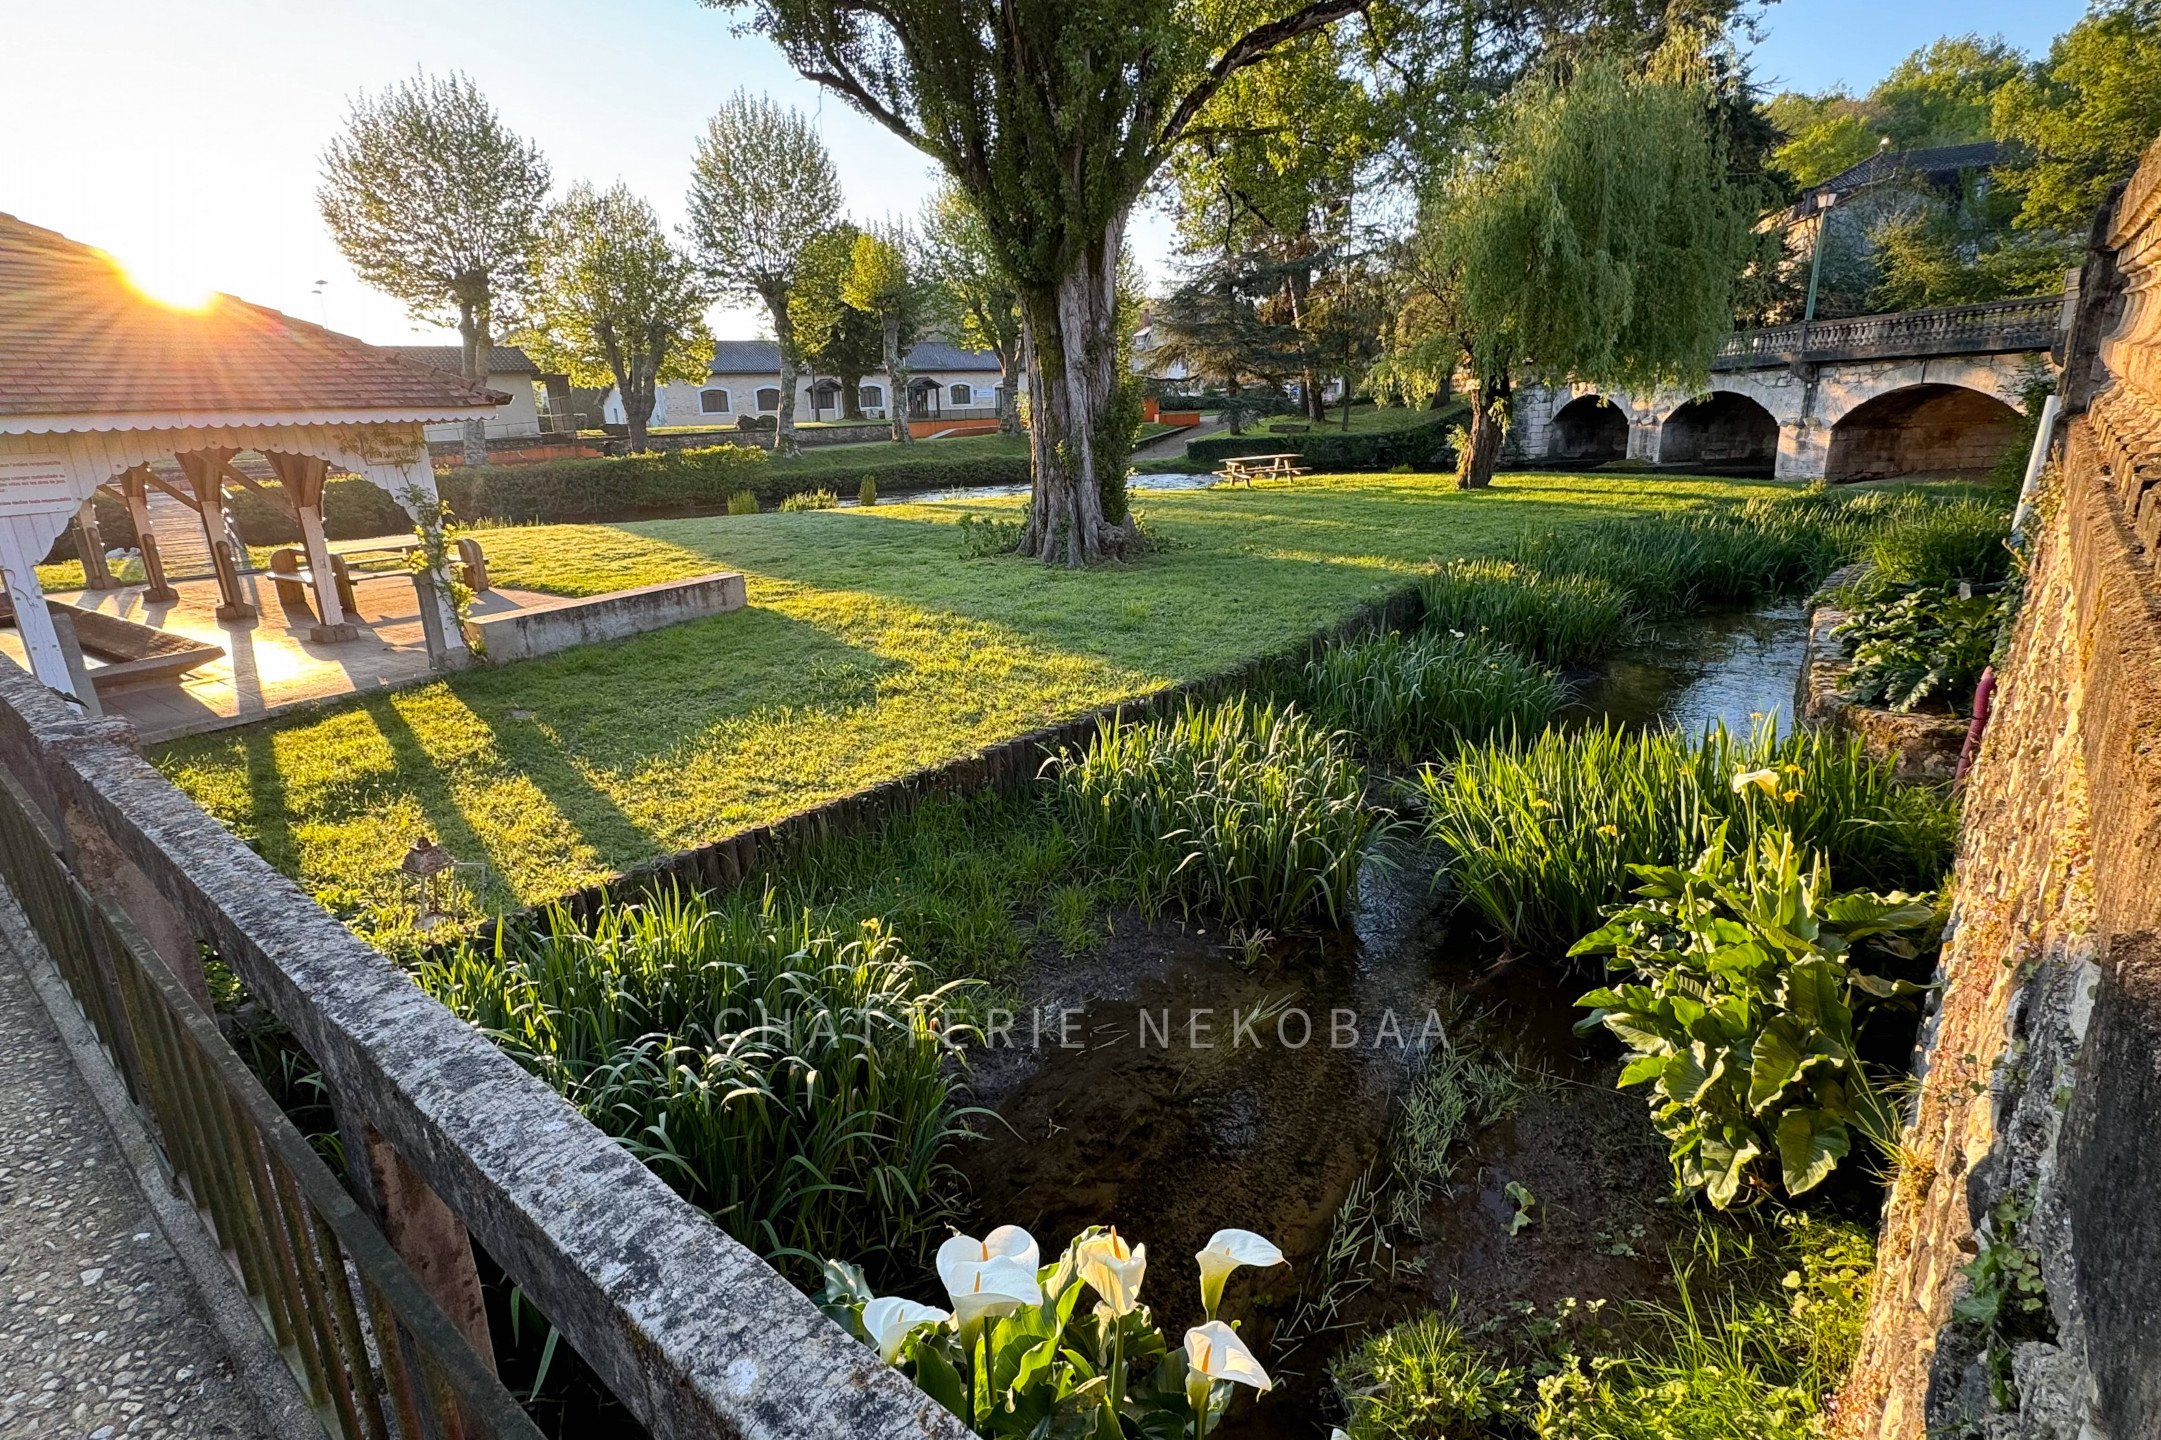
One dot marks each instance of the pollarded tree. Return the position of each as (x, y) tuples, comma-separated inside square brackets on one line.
[(761, 189), (1051, 116), (437, 203), (966, 296), (615, 301), (1596, 236), (881, 281)]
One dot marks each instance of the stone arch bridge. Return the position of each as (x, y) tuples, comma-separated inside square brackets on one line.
[(1876, 396)]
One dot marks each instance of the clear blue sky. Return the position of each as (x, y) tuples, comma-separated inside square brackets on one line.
[(185, 137)]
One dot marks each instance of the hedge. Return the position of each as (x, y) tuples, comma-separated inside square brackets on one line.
[(691, 482), (1423, 447)]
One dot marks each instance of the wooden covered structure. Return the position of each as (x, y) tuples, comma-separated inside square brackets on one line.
[(103, 388)]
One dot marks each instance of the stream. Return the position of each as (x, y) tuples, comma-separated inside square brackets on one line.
[(1172, 1084)]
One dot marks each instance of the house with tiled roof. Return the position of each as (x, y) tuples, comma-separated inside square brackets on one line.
[(539, 400), (945, 382), (104, 389)]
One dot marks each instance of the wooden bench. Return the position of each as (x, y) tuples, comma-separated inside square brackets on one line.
[(1247, 468), (289, 571)]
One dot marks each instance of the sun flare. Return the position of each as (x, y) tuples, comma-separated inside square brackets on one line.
[(167, 280)]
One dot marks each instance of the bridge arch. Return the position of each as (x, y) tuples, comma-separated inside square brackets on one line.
[(1590, 427), (1724, 428), (1928, 428)]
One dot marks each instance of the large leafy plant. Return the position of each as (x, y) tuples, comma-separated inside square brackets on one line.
[(1741, 1013), (1922, 644), (1018, 1356)]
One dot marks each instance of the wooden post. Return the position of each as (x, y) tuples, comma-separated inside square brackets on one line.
[(90, 546), (303, 476), (135, 489), (430, 1238), (205, 472)]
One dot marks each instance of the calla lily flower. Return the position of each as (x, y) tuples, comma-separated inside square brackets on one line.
[(889, 1319), (958, 1254), (1225, 1251), (1214, 1350), (996, 1287), (1764, 780), (1113, 1270)]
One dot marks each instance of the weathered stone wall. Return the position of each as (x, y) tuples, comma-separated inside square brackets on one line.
[(2037, 1127)]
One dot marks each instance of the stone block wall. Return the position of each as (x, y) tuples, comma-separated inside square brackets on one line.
[(2035, 1138)]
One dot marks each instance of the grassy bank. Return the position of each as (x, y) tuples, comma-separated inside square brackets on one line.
[(869, 648)]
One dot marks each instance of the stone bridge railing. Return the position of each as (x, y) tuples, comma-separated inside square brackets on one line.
[(1995, 328)]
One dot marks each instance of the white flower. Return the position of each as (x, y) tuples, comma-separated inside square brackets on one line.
[(1007, 1242), (1225, 1251), (1214, 1350), (888, 1320), (996, 1287), (1764, 780), (1113, 1270)]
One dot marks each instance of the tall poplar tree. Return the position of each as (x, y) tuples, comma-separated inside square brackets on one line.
[(966, 296), (437, 203), (1051, 116), (881, 281), (762, 188)]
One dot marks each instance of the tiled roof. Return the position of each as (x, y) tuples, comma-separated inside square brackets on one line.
[(762, 357), (502, 359), (1936, 162), (77, 340)]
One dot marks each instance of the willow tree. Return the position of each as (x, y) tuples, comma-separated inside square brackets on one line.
[(616, 302), (1595, 236), (762, 188), (437, 203), (1051, 116)]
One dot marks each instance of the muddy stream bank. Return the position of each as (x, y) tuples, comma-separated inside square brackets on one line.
[(1173, 1083)]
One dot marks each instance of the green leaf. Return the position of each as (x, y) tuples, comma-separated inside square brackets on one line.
[(1778, 1060), (935, 1376), (1810, 1145)]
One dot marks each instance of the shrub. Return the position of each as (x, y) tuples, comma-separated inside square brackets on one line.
[(791, 1081), (743, 502), (353, 509), (1740, 1010), (1241, 808), (867, 492), (1942, 543), (1425, 1379), (1424, 447), (1920, 645), (819, 499), (1407, 696), (1563, 620), (1541, 833), (983, 536)]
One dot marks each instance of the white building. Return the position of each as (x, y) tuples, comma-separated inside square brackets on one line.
[(510, 372), (945, 383)]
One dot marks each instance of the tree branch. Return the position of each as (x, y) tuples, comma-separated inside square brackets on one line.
[(1253, 47)]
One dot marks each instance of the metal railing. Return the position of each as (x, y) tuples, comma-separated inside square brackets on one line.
[(375, 1356), (1995, 327)]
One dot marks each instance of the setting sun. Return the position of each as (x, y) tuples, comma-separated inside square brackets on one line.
[(168, 280)]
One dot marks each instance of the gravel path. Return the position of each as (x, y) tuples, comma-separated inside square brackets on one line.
[(101, 1334)]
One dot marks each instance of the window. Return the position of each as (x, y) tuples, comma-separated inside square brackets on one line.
[(870, 397), (712, 402), (769, 399), (961, 395)]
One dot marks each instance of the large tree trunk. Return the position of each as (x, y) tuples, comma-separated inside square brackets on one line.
[(1489, 427), (851, 397), (473, 335), (1078, 514), (784, 442), (637, 409), (897, 374), (1008, 393)]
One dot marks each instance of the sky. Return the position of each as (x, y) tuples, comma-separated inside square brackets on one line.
[(185, 138)]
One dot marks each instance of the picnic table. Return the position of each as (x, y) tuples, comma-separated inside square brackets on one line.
[(1246, 468)]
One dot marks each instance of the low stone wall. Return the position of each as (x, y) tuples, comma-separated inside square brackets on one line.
[(1922, 747), (544, 629), (2033, 1136)]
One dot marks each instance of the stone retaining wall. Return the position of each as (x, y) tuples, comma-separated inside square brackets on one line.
[(543, 629), (1921, 747), (2034, 1134)]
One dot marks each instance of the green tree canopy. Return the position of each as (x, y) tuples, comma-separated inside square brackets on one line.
[(2078, 121), (762, 188), (833, 336), (966, 297), (615, 301), (436, 202), (881, 282), (1051, 116), (1596, 237)]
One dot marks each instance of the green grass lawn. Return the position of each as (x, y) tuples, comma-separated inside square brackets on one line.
[(869, 647)]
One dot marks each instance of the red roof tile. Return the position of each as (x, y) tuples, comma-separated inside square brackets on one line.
[(76, 339)]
